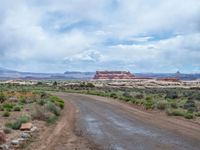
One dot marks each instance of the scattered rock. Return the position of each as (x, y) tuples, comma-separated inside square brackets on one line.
[(2, 138), (26, 126), (13, 99), (4, 147), (25, 135), (21, 139), (33, 129), (17, 141)]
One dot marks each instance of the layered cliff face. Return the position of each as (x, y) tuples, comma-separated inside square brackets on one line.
[(109, 75)]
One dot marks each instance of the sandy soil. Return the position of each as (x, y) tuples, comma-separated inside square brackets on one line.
[(88, 121)]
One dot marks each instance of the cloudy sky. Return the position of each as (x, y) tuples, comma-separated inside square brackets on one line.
[(89, 35)]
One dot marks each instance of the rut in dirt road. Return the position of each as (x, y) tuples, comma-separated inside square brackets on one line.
[(110, 127)]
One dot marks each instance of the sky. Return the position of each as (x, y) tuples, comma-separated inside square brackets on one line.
[(89, 35)]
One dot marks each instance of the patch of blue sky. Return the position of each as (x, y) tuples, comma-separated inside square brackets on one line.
[(83, 25), (161, 36)]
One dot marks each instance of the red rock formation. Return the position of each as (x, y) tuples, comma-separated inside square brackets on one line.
[(115, 75)]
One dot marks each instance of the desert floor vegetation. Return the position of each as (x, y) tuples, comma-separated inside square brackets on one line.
[(22, 105)]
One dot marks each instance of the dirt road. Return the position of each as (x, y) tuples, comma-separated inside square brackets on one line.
[(117, 126)]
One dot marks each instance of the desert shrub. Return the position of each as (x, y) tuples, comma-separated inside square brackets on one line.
[(139, 96), (8, 106), (51, 107), (17, 124), (127, 95), (7, 130), (2, 138), (8, 124), (113, 95), (17, 108), (190, 105), (43, 94), (124, 99), (194, 96), (39, 113), (58, 101), (197, 114), (55, 83), (175, 112), (173, 104), (132, 100), (189, 115), (22, 99), (82, 84), (2, 97), (90, 85), (171, 95), (1, 108), (148, 103), (6, 114), (162, 105), (41, 102), (139, 102), (39, 83), (23, 90), (51, 119)]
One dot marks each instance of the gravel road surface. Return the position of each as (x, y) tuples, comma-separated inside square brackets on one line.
[(115, 128)]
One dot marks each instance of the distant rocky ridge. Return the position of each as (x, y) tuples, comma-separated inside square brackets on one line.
[(111, 75), (6, 74)]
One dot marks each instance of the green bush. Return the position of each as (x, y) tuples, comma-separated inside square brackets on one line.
[(6, 114), (190, 105), (43, 95), (113, 95), (22, 100), (127, 95), (58, 101), (1, 108), (90, 85), (8, 106), (173, 104), (127, 99), (162, 105), (171, 95), (55, 83), (139, 96), (17, 124), (41, 102), (148, 103), (51, 107), (17, 108), (197, 114), (51, 119), (189, 115), (175, 112)]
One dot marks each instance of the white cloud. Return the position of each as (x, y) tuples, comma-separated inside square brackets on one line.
[(130, 34), (85, 56)]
